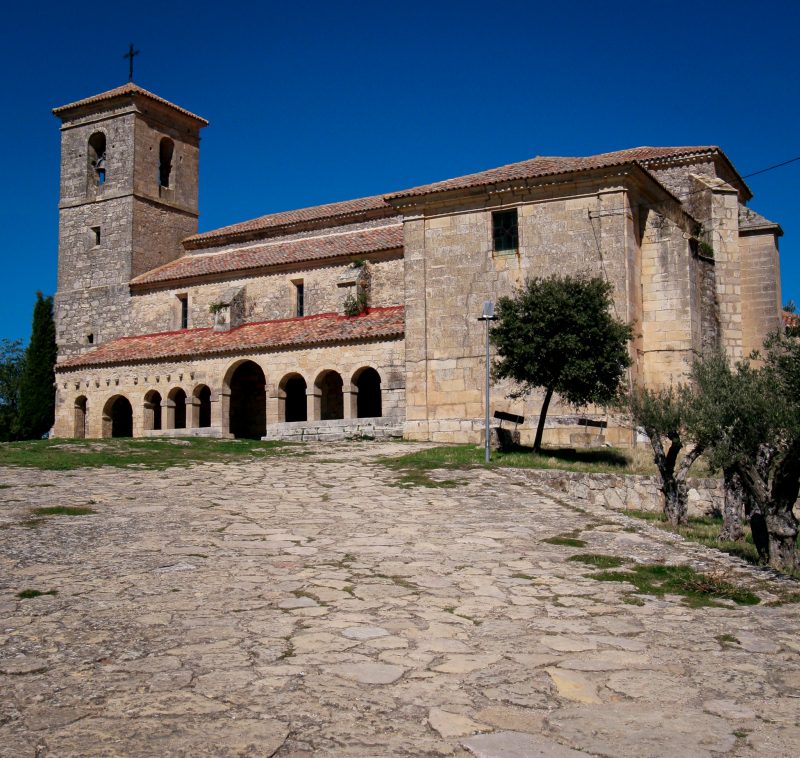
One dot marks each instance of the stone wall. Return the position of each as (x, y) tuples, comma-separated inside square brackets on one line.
[(100, 386), (761, 288), (266, 297), (670, 319), (628, 492), (336, 430), (450, 270)]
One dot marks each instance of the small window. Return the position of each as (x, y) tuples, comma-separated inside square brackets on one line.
[(505, 233), (90, 339), (300, 305), (183, 301), (96, 235)]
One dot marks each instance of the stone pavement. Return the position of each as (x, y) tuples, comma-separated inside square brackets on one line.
[(303, 606)]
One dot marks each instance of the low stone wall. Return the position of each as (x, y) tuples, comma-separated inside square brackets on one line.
[(629, 492), (337, 429)]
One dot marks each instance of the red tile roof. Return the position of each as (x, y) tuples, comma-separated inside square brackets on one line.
[(374, 206), (549, 166), (326, 328), (257, 257), (377, 205), (126, 90)]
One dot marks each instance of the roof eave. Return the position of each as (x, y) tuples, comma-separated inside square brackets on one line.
[(770, 228), (88, 105)]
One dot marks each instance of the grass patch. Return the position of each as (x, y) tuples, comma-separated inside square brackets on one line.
[(727, 639), (421, 479), (159, 454), (598, 560), (26, 594), (705, 530), (592, 460), (64, 510), (566, 541), (697, 589), (632, 600), (414, 467)]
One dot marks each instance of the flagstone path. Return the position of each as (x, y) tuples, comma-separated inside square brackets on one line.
[(304, 606)]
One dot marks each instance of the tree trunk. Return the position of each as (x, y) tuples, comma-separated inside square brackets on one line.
[(779, 514), (782, 534), (733, 508), (772, 518), (675, 501), (537, 443)]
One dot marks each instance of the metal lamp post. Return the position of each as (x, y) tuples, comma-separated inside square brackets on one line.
[(487, 316)]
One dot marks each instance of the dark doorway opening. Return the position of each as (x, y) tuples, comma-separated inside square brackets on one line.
[(121, 414), (369, 393), (203, 395), (331, 401), (248, 406), (295, 404), (178, 397)]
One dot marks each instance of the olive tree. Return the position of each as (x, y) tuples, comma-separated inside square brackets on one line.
[(749, 418), (661, 413), (559, 334)]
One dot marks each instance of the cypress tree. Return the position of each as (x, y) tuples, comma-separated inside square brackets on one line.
[(37, 399)]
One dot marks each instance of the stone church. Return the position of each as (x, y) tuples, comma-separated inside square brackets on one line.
[(361, 317)]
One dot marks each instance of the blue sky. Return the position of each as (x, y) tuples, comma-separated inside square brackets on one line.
[(313, 102)]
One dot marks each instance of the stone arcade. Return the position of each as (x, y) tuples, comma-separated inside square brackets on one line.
[(359, 317)]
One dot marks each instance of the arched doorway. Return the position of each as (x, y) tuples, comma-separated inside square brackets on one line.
[(80, 417), (295, 405), (202, 397), (331, 402), (152, 410), (248, 404), (177, 408), (368, 402), (118, 417)]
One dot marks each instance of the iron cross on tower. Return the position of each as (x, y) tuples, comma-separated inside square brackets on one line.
[(129, 55)]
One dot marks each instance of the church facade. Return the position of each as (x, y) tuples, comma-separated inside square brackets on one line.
[(360, 317)]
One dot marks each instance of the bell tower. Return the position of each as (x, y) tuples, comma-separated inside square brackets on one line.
[(129, 186)]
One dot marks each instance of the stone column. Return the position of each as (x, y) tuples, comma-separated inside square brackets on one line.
[(167, 414), (275, 406), (192, 412), (350, 403), (313, 403), (221, 411)]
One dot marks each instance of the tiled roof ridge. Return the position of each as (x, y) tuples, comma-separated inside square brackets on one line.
[(324, 233), (129, 88), (289, 218), (105, 354), (544, 165), (275, 253)]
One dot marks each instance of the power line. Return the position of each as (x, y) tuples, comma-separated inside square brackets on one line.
[(769, 168)]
